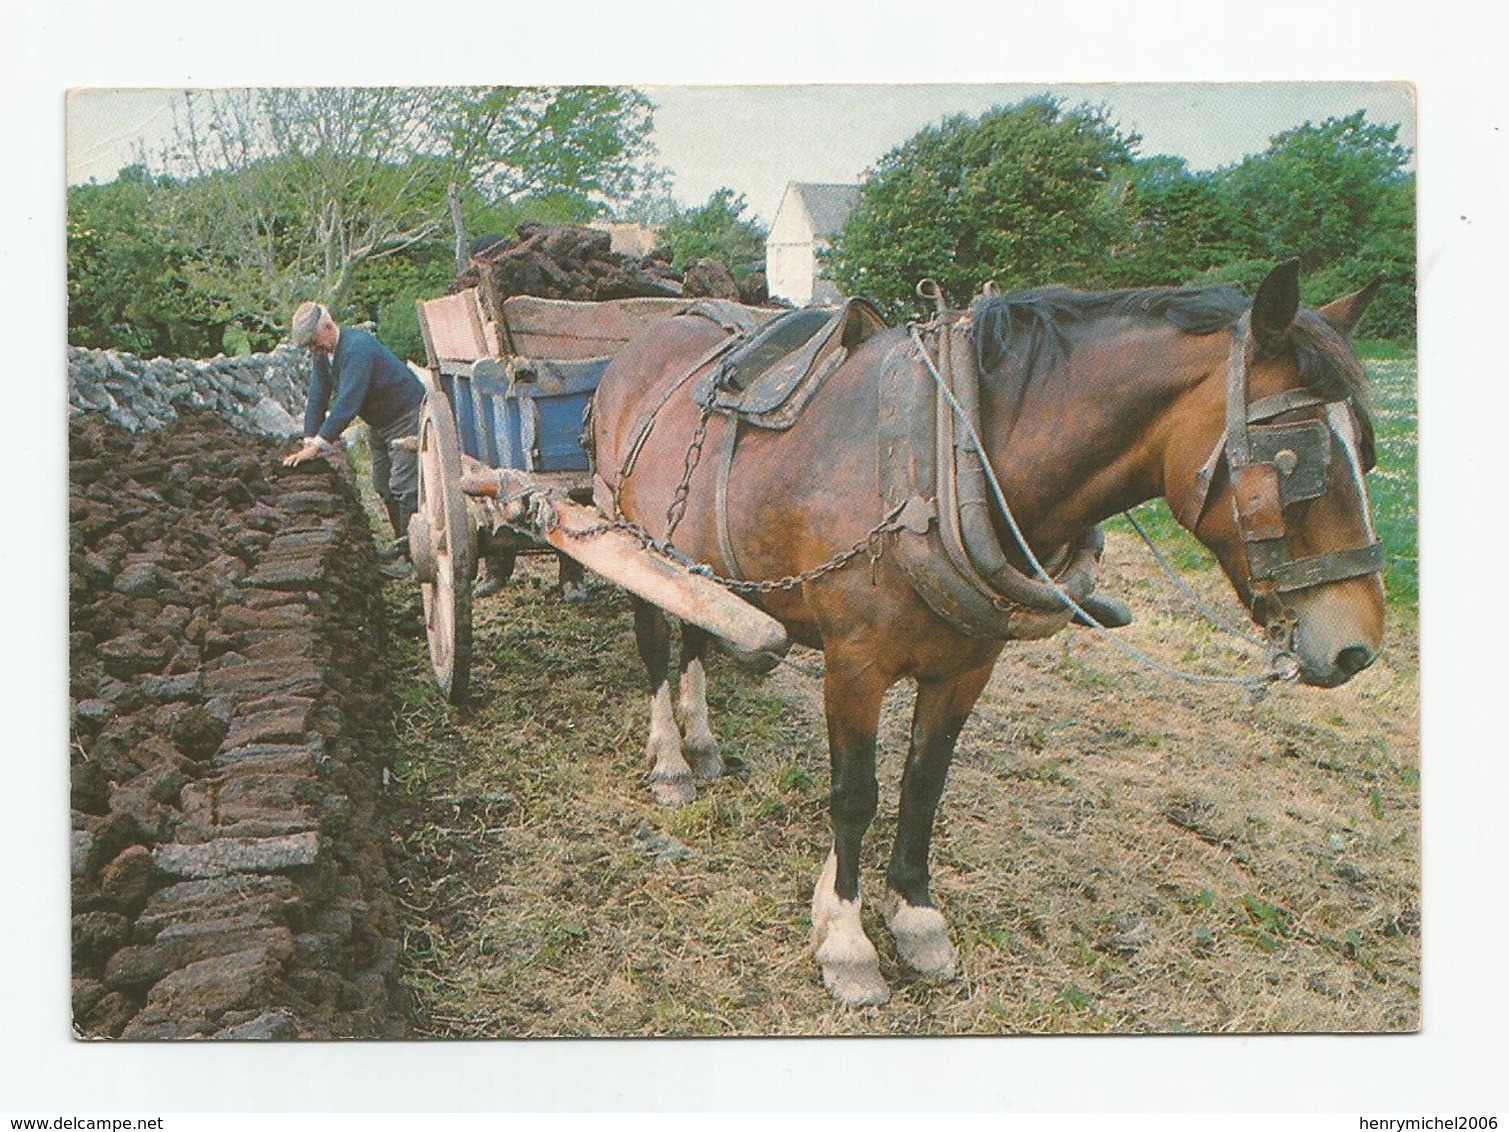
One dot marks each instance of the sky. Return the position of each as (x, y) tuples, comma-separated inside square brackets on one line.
[(756, 138)]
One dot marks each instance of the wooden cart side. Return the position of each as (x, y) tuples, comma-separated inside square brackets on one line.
[(455, 330)]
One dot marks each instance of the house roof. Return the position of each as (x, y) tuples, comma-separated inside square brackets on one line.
[(828, 205)]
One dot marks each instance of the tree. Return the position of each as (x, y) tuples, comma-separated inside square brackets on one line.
[(284, 194), (1183, 224), (1023, 195), (125, 281), (715, 230), (1316, 190)]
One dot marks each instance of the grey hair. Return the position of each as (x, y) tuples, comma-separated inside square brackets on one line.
[(306, 320)]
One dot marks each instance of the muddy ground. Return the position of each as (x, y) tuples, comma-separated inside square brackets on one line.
[(1115, 852)]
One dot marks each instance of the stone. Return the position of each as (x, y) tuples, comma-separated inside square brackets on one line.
[(109, 1017), (269, 758), (143, 965), (209, 988), (98, 935), (273, 898), (198, 732), (289, 574), (131, 654), (186, 686), (86, 994), (92, 714), (262, 677), (240, 618), (127, 879), (89, 787), (81, 845), (271, 1025), (285, 646), (273, 726), (142, 579), (238, 855)]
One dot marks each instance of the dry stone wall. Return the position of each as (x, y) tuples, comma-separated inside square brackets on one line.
[(261, 393), (227, 669)]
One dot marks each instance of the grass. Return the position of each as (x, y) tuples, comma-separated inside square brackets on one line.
[(1114, 853)]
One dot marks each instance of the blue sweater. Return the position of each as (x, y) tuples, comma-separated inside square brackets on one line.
[(367, 379)]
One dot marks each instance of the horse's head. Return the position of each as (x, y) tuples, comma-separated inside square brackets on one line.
[(1271, 479)]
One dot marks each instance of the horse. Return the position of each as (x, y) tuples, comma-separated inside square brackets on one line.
[(1088, 404)]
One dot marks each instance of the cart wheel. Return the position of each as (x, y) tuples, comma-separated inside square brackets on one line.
[(443, 545)]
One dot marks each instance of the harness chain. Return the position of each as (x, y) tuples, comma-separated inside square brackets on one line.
[(872, 542), (1281, 662)]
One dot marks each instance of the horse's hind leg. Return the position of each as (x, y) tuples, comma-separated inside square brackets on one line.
[(850, 965), (697, 741), (571, 577), (670, 777), (920, 931)]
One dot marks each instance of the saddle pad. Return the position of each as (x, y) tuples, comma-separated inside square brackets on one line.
[(769, 379)]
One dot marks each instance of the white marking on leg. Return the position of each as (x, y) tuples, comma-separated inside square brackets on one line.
[(670, 776), (921, 936), (698, 742), (849, 962)]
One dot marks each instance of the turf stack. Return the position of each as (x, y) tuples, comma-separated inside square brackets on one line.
[(227, 675)]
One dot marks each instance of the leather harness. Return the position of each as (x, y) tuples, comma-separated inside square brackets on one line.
[(1272, 466), (932, 478)]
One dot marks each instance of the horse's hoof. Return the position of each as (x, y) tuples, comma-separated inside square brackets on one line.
[(488, 586), (673, 789), (921, 936), (704, 759), (855, 985), (574, 591), (850, 964)]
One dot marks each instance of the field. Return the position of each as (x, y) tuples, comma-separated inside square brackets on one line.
[(1115, 852)]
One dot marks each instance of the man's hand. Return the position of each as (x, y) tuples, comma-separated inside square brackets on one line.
[(309, 451)]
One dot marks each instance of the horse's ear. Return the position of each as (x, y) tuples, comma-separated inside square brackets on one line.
[(1346, 312), (1277, 300)]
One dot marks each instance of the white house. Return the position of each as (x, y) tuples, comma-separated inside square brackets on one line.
[(809, 217)]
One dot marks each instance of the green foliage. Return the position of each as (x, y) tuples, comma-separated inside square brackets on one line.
[(1183, 225), (1034, 193), (267, 197), (716, 230), (1315, 191), (1023, 195), (1338, 196), (125, 284), (1394, 486)]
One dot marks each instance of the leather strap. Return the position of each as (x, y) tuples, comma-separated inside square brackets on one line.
[(720, 496)]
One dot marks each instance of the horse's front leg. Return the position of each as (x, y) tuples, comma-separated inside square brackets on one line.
[(698, 743), (670, 776), (920, 931), (851, 968)]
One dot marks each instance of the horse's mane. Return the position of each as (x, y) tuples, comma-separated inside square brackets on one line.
[(1043, 326)]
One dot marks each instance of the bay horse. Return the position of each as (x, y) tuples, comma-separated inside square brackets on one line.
[(1089, 403)]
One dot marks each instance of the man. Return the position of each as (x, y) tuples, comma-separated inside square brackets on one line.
[(366, 380)]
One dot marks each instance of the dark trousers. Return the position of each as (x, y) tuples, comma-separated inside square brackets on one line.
[(395, 471)]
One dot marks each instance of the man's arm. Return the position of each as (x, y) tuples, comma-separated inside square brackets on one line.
[(314, 414), (351, 390), (319, 395)]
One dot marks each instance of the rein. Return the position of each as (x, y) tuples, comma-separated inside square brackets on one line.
[(1281, 662)]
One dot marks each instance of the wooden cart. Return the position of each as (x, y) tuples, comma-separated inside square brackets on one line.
[(501, 465)]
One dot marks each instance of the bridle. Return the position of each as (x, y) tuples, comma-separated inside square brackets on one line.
[(1272, 466)]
